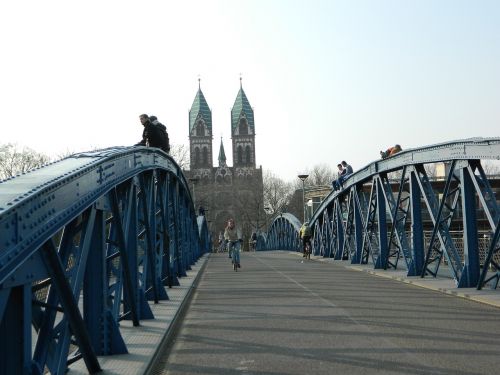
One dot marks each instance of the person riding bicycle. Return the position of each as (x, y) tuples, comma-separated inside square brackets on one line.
[(233, 239), (305, 234), (253, 241)]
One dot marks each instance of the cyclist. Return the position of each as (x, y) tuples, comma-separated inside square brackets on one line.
[(233, 239), (253, 241), (305, 235)]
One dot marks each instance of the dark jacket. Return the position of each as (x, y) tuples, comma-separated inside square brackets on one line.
[(153, 134)]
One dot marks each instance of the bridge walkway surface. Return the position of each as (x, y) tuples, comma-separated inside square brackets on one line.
[(282, 315)]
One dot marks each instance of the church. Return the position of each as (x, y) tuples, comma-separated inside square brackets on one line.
[(223, 191)]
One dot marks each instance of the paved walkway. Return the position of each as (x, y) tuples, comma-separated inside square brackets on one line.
[(442, 284), (281, 308), (282, 315)]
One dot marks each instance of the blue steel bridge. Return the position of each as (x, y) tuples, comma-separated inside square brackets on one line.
[(378, 216), (92, 240)]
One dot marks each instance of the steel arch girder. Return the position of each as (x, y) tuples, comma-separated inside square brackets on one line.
[(94, 235)]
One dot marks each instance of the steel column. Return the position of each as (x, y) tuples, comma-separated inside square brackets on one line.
[(470, 273)]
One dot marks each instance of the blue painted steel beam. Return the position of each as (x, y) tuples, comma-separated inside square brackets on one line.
[(417, 229), (70, 306), (468, 149), (358, 227), (493, 250), (391, 222), (127, 276), (470, 272), (94, 207), (382, 226)]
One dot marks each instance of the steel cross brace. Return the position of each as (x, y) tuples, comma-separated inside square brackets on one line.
[(70, 305), (440, 227), (370, 228), (398, 220), (348, 249), (359, 224), (338, 231), (493, 251)]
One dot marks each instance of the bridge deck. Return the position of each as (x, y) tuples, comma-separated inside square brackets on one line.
[(280, 315)]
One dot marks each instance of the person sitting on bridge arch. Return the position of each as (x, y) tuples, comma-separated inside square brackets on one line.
[(340, 173), (390, 151), (348, 171)]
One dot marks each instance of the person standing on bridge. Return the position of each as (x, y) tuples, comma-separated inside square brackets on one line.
[(153, 135), (233, 239)]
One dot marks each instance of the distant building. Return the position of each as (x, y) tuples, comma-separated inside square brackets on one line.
[(223, 191)]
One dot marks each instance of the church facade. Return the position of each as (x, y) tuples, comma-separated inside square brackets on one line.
[(225, 191)]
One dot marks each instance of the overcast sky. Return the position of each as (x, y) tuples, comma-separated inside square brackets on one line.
[(328, 80)]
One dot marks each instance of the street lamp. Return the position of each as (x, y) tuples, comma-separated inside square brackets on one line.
[(267, 211), (303, 178)]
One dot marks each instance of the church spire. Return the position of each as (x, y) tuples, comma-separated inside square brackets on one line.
[(222, 154)]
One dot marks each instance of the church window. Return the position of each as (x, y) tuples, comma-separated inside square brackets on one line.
[(205, 156), (248, 155), (243, 128), (240, 155), (196, 157), (200, 131)]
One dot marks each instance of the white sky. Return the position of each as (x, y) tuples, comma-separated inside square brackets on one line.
[(328, 80)]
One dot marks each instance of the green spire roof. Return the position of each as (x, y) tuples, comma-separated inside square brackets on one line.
[(222, 154), (241, 104), (200, 106)]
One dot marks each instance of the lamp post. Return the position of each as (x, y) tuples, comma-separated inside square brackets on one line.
[(267, 211), (303, 178)]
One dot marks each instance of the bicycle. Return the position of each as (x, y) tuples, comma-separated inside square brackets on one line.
[(307, 250), (234, 251)]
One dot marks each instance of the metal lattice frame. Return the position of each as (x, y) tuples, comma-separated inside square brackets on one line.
[(86, 242), (283, 233), (379, 219)]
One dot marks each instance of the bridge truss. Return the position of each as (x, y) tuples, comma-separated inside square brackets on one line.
[(85, 243), (392, 214)]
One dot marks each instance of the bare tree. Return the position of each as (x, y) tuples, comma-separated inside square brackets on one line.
[(295, 204), (250, 209), (180, 154), (320, 174), (430, 169), (491, 167), (14, 160), (276, 192)]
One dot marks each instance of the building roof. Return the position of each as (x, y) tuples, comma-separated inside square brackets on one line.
[(200, 107), (241, 104)]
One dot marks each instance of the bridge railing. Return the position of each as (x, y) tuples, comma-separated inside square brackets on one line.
[(392, 211), (85, 243)]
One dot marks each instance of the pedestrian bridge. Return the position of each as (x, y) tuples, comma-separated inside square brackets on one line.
[(86, 242), (392, 212)]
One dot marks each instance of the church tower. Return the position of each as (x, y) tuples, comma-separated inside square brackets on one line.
[(243, 133), (200, 133), (226, 191)]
